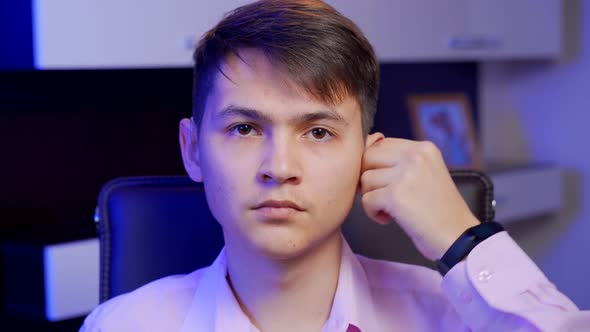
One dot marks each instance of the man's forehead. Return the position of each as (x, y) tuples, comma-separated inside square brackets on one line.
[(252, 68), (245, 78), (252, 58)]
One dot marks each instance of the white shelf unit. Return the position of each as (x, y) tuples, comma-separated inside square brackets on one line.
[(71, 34), (526, 192)]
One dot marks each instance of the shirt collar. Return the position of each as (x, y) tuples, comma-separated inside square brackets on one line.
[(213, 302), (353, 303)]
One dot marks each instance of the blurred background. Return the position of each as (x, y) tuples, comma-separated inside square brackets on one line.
[(93, 90)]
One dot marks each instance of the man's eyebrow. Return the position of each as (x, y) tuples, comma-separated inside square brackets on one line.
[(233, 110), (320, 115), (256, 115)]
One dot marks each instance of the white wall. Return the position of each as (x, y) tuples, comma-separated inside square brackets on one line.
[(541, 112)]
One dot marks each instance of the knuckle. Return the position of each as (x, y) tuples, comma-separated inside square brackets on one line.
[(364, 184), (417, 158), (429, 149), (394, 191), (403, 179), (365, 176), (366, 199)]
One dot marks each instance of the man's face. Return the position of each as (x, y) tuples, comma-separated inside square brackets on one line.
[(280, 169)]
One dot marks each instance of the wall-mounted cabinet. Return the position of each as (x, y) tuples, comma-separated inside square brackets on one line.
[(151, 33), (449, 30), (525, 192)]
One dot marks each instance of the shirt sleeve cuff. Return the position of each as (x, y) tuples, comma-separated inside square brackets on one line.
[(498, 277)]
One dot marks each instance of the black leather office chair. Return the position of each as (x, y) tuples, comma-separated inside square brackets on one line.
[(150, 227)]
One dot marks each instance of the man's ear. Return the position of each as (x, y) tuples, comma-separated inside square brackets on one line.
[(373, 138), (188, 135)]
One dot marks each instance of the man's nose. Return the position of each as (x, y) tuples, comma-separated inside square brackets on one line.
[(280, 163)]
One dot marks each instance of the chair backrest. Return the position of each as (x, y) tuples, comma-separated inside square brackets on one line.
[(151, 227)]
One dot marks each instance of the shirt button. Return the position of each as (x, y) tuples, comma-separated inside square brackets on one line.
[(484, 275)]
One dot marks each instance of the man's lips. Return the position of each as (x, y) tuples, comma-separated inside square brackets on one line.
[(278, 204), (277, 210)]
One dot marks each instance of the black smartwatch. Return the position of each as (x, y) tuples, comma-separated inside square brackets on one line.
[(465, 243)]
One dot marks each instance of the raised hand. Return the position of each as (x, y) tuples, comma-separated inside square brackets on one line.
[(407, 181)]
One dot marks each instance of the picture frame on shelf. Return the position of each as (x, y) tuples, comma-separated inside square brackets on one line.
[(446, 120)]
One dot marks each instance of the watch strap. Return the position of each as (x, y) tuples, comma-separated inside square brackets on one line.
[(465, 243)]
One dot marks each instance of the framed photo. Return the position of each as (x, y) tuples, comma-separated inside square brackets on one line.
[(446, 121)]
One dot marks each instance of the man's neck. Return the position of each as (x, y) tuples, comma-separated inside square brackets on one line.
[(286, 295)]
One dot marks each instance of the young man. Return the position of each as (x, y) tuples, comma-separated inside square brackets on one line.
[(284, 97)]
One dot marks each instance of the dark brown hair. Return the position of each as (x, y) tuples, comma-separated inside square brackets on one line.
[(320, 50)]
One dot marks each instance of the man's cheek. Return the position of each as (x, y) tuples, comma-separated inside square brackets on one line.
[(341, 190)]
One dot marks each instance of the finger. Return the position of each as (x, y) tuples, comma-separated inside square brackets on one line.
[(376, 178), (373, 203), (385, 153)]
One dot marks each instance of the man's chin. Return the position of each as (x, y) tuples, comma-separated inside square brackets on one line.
[(286, 248), (283, 249)]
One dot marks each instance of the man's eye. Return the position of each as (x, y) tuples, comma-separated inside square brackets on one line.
[(243, 130), (320, 134)]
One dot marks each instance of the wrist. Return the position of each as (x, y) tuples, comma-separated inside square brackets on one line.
[(468, 240), (451, 234)]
